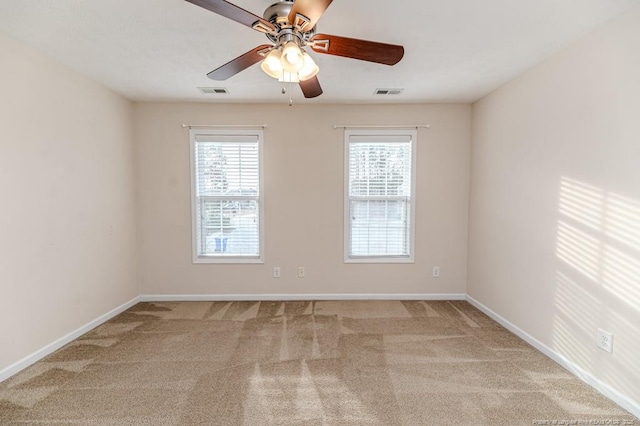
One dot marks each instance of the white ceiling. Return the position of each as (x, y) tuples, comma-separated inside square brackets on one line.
[(455, 50)]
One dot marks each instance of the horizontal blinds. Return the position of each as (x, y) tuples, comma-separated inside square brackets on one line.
[(227, 169), (380, 169), (227, 175), (379, 187), (379, 228)]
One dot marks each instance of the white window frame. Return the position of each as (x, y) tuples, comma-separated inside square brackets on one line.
[(193, 133), (413, 135)]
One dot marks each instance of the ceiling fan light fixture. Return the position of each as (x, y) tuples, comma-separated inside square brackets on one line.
[(309, 68), (292, 60), (272, 64)]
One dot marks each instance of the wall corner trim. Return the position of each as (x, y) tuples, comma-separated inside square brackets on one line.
[(57, 344), (619, 398)]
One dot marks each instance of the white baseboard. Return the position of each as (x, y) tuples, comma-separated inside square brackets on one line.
[(54, 346), (622, 400), (301, 296)]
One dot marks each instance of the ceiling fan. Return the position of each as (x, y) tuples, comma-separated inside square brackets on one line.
[(290, 26)]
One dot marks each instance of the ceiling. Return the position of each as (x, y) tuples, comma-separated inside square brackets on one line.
[(161, 50)]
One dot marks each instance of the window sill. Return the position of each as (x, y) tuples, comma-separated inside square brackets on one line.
[(226, 259), (380, 259)]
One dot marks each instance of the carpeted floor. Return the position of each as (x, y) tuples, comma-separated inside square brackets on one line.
[(301, 363)]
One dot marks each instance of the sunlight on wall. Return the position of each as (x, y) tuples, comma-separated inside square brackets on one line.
[(622, 220), (598, 280), (574, 321), (621, 275), (578, 250), (581, 202), (625, 351)]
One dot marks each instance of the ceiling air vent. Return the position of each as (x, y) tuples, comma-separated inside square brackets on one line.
[(213, 90), (388, 91)]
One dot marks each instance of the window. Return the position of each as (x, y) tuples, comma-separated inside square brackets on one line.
[(227, 205), (379, 195)]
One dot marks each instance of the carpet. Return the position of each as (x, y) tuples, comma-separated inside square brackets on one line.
[(301, 363)]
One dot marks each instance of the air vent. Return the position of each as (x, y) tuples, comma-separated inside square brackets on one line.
[(213, 90), (388, 91)]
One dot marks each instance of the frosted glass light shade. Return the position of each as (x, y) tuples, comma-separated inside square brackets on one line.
[(309, 68), (291, 57), (272, 65)]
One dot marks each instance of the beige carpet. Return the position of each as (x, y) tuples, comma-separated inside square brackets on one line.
[(301, 363)]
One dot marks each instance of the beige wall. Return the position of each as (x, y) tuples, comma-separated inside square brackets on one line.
[(555, 202), (67, 240), (303, 158)]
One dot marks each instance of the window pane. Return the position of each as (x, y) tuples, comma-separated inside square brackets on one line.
[(379, 228), (380, 169), (227, 169), (229, 227)]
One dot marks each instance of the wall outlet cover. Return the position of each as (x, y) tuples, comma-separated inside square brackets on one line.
[(605, 341)]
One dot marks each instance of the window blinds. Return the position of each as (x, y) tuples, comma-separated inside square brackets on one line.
[(227, 192), (379, 191)]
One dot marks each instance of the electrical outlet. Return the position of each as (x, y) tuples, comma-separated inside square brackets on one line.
[(276, 272), (436, 272), (605, 341), (301, 272)]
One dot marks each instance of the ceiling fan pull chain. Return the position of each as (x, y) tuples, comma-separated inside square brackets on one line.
[(290, 100)]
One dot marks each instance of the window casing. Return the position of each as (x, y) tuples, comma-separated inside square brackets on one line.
[(379, 196), (227, 196)]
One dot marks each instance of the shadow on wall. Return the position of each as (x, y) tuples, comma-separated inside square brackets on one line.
[(598, 281)]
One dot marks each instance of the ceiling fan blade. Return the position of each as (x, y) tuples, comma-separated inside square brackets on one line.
[(240, 63), (372, 51), (312, 10), (311, 88), (235, 13)]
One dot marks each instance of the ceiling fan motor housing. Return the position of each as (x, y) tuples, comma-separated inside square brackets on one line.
[(278, 15)]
